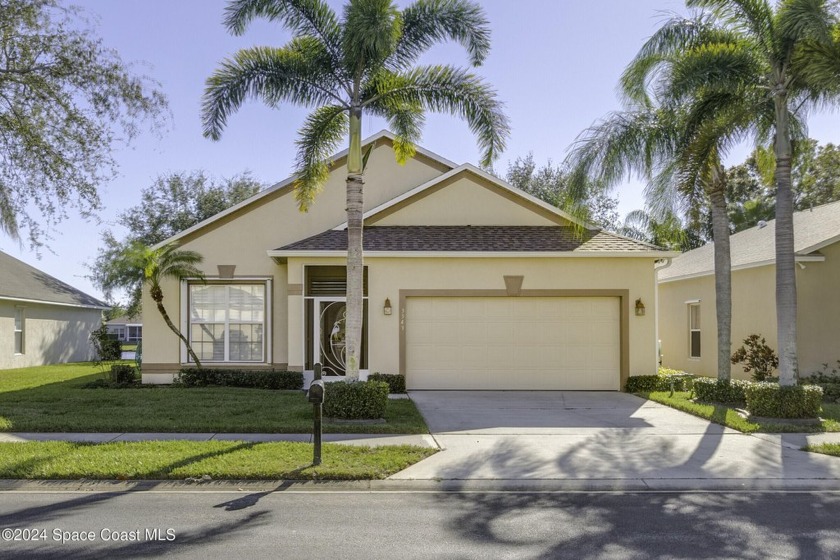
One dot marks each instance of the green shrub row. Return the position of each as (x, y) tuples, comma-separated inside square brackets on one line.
[(257, 379), (395, 381), (775, 401), (709, 389), (355, 400), (660, 382)]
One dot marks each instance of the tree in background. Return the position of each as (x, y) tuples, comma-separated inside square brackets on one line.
[(65, 102), (549, 183), (363, 62), (170, 205), (667, 232), (139, 265)]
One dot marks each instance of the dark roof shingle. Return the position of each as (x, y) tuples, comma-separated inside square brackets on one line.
[(19, 280), (474, 239)]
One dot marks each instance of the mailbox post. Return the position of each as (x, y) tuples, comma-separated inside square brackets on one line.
[(316, 397)]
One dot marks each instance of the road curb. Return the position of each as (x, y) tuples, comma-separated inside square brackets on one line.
[(634, 485)]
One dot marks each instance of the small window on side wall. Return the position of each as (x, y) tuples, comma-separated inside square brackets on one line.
[(20, 329), (694, 330)]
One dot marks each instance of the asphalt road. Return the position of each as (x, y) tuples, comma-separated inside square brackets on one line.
[(395, 525)]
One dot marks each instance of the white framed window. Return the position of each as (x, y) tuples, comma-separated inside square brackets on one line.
[(20, 330), (227, 321), (694, 330)]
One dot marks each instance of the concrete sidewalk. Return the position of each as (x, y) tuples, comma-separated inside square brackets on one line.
[(372, 440)]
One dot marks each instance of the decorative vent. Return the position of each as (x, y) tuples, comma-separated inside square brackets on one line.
[(329, 281)]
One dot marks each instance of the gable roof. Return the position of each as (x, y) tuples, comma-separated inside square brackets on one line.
[(813, 229), (285, 186), (124, 319), (517, 240), (22, 282), (475, 171)]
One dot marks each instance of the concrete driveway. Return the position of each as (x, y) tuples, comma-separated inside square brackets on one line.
[(601, 436)]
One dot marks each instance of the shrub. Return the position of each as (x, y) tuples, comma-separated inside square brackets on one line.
[(775, 401), (356, 399), (757, 357), (107, 349), (660, 382), (259, 379), (828, 379), (395, 381), (121, 373), (709, 389)]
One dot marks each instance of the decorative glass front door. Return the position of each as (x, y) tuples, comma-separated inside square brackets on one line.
[(330, 335)]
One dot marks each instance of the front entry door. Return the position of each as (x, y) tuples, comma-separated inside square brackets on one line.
[(329, 334)]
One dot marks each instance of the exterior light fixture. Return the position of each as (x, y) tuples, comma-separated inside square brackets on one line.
[(640, 308), (387, 308)]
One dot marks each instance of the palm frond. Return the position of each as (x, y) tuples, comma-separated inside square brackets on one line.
[(320, 136), (302, 17), (372, 29), (799, 20), (445, 89), (427, 22), (754, 17), (297, 73), (717, 66)]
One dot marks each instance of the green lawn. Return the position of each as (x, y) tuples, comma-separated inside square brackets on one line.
[(51, 399), (160, 460), (728, 416), (825, 449)]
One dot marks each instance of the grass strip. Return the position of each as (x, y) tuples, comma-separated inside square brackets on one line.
[(160, 460), (729, 417), (52, 399), (824, 448)]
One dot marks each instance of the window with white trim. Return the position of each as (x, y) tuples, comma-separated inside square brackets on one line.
[(693, 330), (227, 322), (20, 327)]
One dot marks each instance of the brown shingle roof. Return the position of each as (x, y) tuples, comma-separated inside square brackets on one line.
[(473, 239)]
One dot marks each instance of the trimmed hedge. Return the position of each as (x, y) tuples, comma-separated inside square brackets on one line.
[(355, 400), (660, 382), (709, 389), (774, 401), (256, 379), (122, 373), (395, 381)]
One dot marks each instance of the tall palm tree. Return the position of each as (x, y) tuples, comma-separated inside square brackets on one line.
[(363, 62), (678, 152), (785, 54), (139, 265)]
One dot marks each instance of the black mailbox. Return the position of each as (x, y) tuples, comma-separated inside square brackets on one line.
[(316, 392)]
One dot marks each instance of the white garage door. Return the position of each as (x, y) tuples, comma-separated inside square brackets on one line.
[(524, 343)]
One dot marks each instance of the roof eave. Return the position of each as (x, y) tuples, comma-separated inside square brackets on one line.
[(58, 303), (744, 266), (286, 254)]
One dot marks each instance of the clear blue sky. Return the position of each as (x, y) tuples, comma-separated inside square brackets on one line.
[(555, 64)]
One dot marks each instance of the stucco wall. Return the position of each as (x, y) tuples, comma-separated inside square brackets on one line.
[(464, 201), (53, 334), (243, 238), (754, 312), (386, 276)]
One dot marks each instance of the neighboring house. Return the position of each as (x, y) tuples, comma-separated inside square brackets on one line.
[(42, 319), (126, 328), (470, 284), (688, 323)]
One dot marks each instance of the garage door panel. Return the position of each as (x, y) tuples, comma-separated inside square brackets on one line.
[(513, 343)]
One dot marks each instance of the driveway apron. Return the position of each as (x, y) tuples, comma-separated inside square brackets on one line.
[(589, 436)]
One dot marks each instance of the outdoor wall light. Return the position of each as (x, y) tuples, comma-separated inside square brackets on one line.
[(640, 308), (387, 308)]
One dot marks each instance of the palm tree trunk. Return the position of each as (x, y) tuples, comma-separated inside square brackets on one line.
[(355, 258), (723, 272), (175, 329), (785, 264)]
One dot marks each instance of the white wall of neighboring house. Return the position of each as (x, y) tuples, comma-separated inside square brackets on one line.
[(51, 334)]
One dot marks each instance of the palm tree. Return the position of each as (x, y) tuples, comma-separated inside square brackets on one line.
[(667, 231), (344, 67), (754, 54), (139, 265)]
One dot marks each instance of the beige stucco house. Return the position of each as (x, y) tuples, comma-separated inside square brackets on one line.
[(687, 321), (42, 319), (470, 284)]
